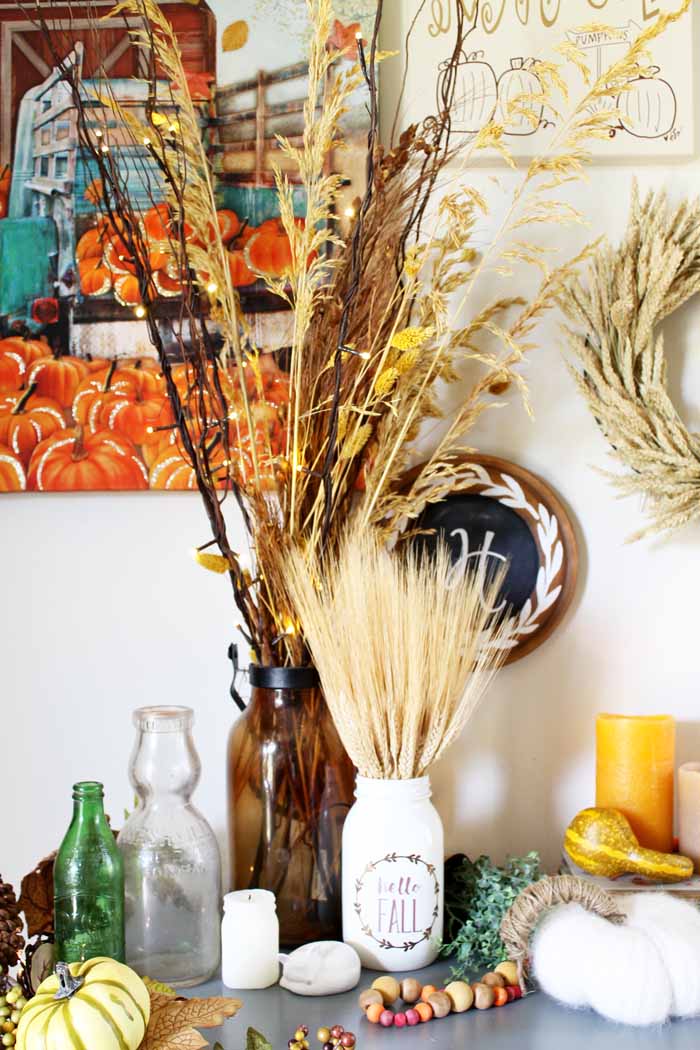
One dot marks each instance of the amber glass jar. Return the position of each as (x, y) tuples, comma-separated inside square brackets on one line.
[(290, 786)]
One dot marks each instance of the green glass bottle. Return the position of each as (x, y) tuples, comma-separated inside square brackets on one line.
[(88, 883)]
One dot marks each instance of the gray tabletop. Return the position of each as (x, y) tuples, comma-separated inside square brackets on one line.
[(534, 1023)]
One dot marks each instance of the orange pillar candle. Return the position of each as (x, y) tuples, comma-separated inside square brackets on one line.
[(634, 773)]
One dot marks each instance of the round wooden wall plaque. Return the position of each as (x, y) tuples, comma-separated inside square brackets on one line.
[(506, 514)]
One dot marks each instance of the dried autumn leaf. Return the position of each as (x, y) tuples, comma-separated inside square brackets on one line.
[(256, 1041), (235, 36), (174, 1022), (158, 987), (36, 897)]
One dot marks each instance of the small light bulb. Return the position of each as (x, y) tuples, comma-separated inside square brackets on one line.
[(212, 287), (349, 213), (147, 141), (140, 311), (358, 35), (150, 430), (365, 355), (104, 148), (290, 629), (172, 128), (98, 134), (233, 415)]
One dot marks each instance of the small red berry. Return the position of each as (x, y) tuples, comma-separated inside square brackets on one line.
[(337, 1030), (412, 1017), (400, 1020), (517, 991), (347, 1040), (386, 1018)]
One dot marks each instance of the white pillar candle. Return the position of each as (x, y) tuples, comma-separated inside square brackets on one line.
[(689, 811), (250, 940)]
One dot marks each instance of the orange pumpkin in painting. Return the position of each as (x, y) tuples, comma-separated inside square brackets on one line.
[(127, 290), (156, 223), (74, 460), (241, 274), (269, 251), (137, 418), (167, 287), (229, 224), (91, 245), (58, 377), (172, 469), (118, 258), (30, 350), (13, 371), (95, 279), (12, 476), (142, 379), (26, 419), (90, 389)]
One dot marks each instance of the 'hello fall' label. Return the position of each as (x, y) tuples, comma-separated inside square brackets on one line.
[(396, 900)]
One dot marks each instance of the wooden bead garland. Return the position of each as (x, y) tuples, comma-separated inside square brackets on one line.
[(335, 1038), (427, 1002)]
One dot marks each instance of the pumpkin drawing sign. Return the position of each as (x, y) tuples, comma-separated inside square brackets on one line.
[(654, 116)]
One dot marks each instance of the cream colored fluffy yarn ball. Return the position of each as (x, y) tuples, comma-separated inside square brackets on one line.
[(640, 973)]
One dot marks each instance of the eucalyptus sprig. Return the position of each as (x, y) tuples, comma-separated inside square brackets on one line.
[(477, 896)]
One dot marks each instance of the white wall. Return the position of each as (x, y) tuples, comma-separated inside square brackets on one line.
[(102, 610)]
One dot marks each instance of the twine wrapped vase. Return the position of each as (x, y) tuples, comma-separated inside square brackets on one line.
[(393, 874)]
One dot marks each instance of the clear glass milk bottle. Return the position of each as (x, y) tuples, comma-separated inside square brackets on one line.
[(393, 875), (172, 866)]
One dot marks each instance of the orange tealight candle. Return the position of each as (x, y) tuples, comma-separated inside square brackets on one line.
[(634, 773)]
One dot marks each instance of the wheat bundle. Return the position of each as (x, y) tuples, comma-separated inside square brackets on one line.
[(405, 649)]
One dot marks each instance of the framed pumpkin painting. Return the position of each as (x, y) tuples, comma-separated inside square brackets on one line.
[(655, 115), (83, 404)]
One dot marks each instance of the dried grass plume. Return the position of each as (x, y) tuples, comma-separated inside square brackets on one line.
[(405, 650)]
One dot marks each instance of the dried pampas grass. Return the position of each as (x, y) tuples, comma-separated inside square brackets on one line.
[(405, 650)]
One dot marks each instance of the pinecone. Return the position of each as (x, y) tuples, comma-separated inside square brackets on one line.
[(11, 939)]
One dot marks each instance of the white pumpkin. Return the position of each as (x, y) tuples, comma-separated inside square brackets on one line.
[(520, 113), (96, 1005), (476, 95), (648, 108)]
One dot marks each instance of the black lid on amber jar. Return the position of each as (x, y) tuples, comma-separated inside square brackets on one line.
[(283, 677)]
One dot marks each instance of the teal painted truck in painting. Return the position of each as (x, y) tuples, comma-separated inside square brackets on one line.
[(51, 207), (28, 275)]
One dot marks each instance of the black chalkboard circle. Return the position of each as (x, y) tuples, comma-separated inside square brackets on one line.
[(483, 533), (506, 513)]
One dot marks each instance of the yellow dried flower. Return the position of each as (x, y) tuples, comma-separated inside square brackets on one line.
[(343, 417), (358, 441), (386, 381), (212, 562), (412, 338), (407, 361), (413, 261)]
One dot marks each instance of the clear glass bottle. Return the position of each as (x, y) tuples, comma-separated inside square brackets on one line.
[(88, 883), (172, 866)]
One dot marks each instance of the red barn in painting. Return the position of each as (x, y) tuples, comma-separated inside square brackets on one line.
[(25, 60)]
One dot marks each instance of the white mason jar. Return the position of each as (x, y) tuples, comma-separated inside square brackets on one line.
[(393, 874)]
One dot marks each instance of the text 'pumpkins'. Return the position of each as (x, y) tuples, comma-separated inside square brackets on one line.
[(106, 1006)]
